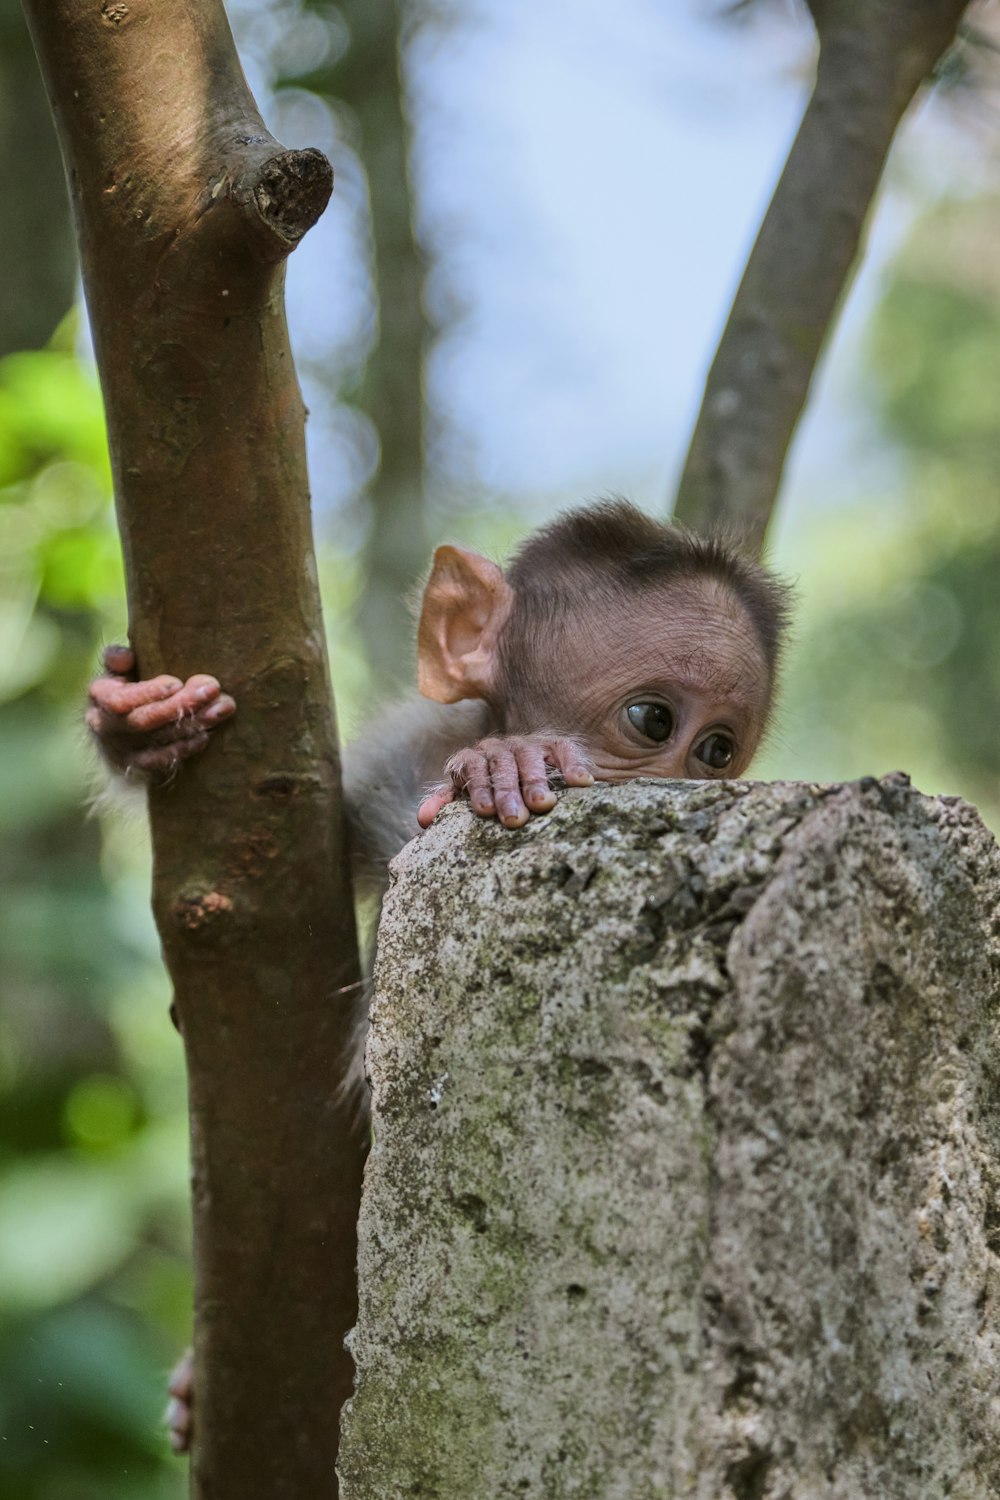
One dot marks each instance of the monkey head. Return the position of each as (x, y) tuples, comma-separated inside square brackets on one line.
[(655, 649)]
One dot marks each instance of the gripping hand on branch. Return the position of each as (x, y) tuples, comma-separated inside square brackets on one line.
[(146, 728)]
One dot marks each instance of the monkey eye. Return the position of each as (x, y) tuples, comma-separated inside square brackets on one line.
[(653, 720), (716, 750)]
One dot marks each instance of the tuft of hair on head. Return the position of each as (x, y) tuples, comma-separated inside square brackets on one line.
[(612, 547)]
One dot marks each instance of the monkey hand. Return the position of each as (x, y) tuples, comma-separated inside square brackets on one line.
[(508, 778), (149, 727), (178, 1415)]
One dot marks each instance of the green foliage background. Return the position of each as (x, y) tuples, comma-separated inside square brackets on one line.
[(94, 1295)]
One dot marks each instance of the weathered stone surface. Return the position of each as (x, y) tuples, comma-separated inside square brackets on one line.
[(685, 1178)]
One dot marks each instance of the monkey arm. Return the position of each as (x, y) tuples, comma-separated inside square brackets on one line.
[(387, 770)]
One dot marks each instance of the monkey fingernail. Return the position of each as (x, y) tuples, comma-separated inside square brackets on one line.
[(539, 795), (221, 709), (577, 776), (482, 804), (119, 659)]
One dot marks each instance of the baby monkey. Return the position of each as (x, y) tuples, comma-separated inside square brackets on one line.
[(613, 646)]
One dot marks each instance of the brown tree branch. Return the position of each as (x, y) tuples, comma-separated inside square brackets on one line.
[(873, 57), (185, 210)]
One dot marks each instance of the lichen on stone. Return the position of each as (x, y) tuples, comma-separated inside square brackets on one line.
[(687, 1144)]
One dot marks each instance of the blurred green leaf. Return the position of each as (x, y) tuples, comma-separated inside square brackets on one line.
[(101, 1112), (64, 1224), (50, 407), (81, 568)]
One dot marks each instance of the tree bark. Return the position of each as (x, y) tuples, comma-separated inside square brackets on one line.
[(873, 57), (186, 209), (687, 1153)]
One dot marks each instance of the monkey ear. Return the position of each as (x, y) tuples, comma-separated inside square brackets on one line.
[(466, 604)]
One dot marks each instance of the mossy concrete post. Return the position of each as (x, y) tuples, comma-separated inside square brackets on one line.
[(687, 1153)]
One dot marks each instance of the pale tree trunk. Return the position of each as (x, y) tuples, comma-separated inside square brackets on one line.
[(367, 79), (186, 209), (873, 57), (392, 390), (36, 236), (687, 1153)]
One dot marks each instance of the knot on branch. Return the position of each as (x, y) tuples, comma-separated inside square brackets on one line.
[(195, 911), (289, 192)]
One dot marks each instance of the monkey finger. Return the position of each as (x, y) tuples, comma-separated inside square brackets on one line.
[(568, 759), (534, 776), (470, 772), (432, 804), (181, 1382), (179, 1415), (160, 760), (118, 736), (185, 701), (178, 1420), (216, 713), (119, 660), (505, 779), (119, 698)]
